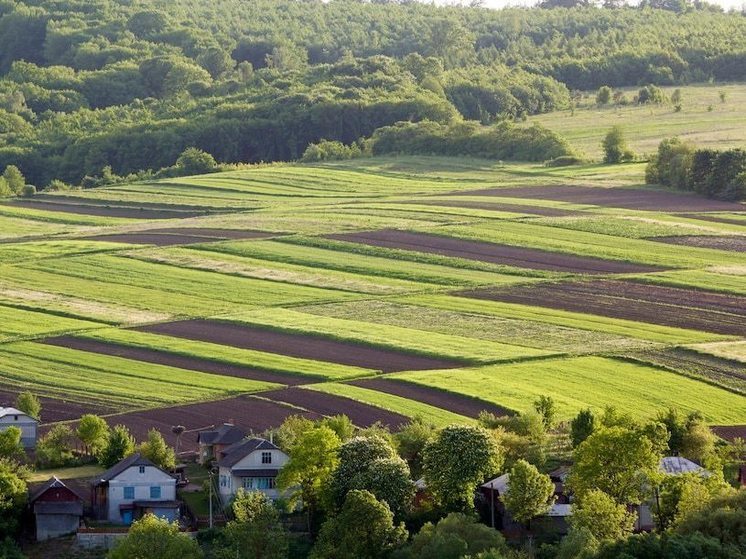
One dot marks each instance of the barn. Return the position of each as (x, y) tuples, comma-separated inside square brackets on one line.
[(57, 510)]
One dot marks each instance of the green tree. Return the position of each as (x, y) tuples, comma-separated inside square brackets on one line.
[(545, 407), (363, 529), (155, 537), (93, 432), (290, 430), (14, 179), (604, 95), (157, 451), (256, 532), (581, 427), (453, 537), (10, 443), (682, 495), (410, 442), (600, 515), (389, 480), (615, 146), (216, 61), (698, 442), (458, 459), (356, 457), (55, 448), (313, 458), (29, 404), (194, 161), (341, 425), (13, 494), (119, 445), (722, 517), (618, 461), (676, 97), (530, 493)]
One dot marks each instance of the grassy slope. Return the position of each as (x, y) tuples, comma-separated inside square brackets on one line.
[(397, 299)]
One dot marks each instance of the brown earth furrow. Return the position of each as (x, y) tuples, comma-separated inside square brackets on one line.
[(491, 252), (362, 415), (497, 207), (733, 243), (177, 236), (299, 345), (629, 198), (456, 403), (668, 306), (175, 360), (108, 211)]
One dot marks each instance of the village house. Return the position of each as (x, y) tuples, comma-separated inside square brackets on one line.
[(252, 464), (212, 442), (11, 417), (57, 510), (132, 488)]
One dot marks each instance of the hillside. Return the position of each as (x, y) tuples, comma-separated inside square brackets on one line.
[(93, 87), (385, 289)]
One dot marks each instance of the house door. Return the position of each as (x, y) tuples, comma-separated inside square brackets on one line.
[(127, 517)]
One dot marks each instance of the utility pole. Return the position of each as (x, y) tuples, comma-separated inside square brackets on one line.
[(492, 503), (210, 477)]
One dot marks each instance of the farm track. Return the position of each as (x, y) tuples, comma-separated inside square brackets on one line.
[(736, 244), (325, 404), (299, 345), (456, 403), (668, 306), (175, 360), (531, 258), (628, 198)]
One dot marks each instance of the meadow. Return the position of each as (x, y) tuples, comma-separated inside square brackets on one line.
[(386, 288)]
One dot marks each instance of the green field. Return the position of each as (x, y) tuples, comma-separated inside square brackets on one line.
[(703, 120), (398, 300)]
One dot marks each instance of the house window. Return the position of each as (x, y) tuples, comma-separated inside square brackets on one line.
[(258, 483), (15, 418), (223, 481), (129, 492), (266, 457), (155, 492), (142, 469)]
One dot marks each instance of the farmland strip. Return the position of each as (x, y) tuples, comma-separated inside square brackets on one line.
[(490, 252), (296, 345)]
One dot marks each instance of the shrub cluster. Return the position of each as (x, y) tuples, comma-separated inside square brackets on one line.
[(712, 173)]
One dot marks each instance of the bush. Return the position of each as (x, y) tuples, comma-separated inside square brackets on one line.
[(326, 150), (604, 95), (502, 141), (615, 147), (650, 94), (565, 161), (28, 191), (193, 161)]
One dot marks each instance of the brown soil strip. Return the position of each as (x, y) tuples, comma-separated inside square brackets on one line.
[(730, 432), (456, 403), (669, 306), (298, 345), (491, 252), (497, 207), (321, 403), (177, 236), (614, 197), (55, 409), (251, 414), (176, 360), (732, 243), (108, 211), (104, 202)]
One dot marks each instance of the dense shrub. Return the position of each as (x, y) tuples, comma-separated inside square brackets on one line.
[(500, 141), (326, 150)]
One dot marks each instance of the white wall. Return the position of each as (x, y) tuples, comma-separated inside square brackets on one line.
[(142, 482), (229, 484)]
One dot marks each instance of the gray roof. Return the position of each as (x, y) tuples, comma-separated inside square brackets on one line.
[(237, 452), (52, 483), (559, 510), (14, 411), (135, 459), (225, 434), (499, 484), (676, 465)]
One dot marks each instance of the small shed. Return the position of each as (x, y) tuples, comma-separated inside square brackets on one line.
[(12, 417), (57, 510)]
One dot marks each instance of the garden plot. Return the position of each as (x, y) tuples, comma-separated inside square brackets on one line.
[(634, 199), (320, 403), (299, 345), (519, 257), (669, 306)]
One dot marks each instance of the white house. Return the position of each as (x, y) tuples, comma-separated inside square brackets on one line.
[(252, 464), (11, 417), (134, 487)]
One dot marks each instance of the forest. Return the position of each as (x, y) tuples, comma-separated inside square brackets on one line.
[(91, 85)]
